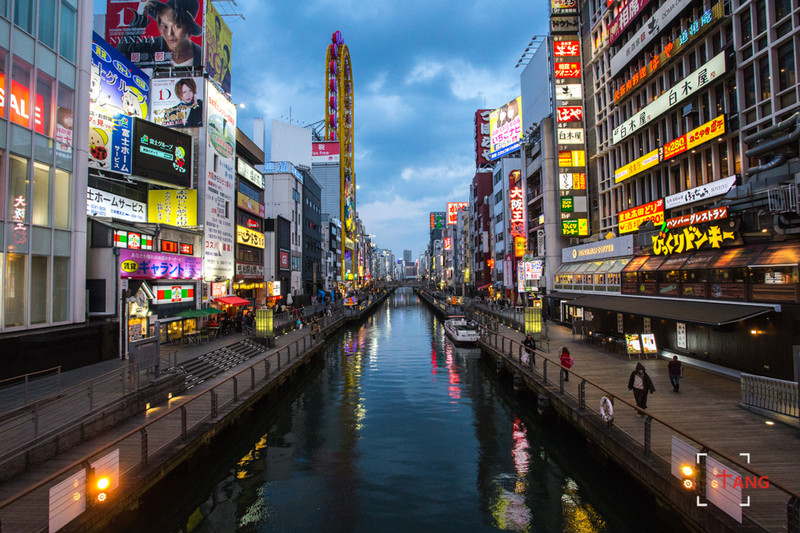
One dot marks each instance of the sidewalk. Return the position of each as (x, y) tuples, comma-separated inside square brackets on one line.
[(706, 408)]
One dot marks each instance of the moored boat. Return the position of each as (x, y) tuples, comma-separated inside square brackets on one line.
[(461, 330)]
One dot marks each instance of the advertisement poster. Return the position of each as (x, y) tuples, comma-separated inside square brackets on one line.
[(178, 102), (218, 48), (173, 207), (132, 27), (118, 91), (632, 344), (162, 154), (505, 125), (220, 186), (325, 152)]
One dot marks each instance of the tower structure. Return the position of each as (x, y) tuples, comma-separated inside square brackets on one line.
[(339, 127)]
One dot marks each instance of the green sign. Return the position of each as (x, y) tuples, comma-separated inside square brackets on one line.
[(567, 204)]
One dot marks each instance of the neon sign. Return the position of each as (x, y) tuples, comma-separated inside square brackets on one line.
[(20, 230)]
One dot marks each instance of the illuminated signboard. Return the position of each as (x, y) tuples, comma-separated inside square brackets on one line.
[(186, 249), (437, 220), (249, 237), (19, 215), (570, 135), (137, 264), (575, 227), (660, 20), (689, 239), (505, 126), (572, 181), (520, 245), (132, 240), (572, 158), (483, 140), (568, 70), (178, 102), (631, 219), (173, 293), (682, 90), (104, 204), (567, 204), (564, 25), (517, 207), (709, 215), (569, 113), (452, 211), (448, 243), (218, 43), (567, 48), (171, 247), (627, 13), (564, 7), (283, 258), (325, 152), (162, 154), (640, 165), (174, 207), (703, 192), (695, 29), (20, 108), (249, 173), (219, 289), (568, 91)]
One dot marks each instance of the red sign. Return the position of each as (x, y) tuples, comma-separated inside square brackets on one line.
[(252, 224), (631, 219), (218, 289), (186, 249), (566, 48), (573, 113), (625, 16), (284, 260), (325, 152), (698, 218), (20, 106), (448, 243), (483, 142), (169, 246), (517, 205), (452, 211), (568, 70)]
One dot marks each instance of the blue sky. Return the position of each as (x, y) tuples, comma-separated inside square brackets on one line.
[(420, 70)]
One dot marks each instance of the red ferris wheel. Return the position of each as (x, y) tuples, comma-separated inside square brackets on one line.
[(339, 127)]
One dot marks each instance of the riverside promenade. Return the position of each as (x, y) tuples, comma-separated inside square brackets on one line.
[(137, 452), (705, 415)]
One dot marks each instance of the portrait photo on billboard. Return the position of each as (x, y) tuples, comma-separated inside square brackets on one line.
[(178, 102), (154, 33), (218, 48), (162, 154)]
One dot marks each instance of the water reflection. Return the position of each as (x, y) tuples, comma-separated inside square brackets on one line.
[(400, 430)]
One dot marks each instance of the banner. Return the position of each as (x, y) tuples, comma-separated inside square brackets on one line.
[(137, 264), (218, 48), (178, 102), (173, 207), (132, 27)]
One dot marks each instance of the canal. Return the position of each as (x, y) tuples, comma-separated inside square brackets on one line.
[(395, 429)]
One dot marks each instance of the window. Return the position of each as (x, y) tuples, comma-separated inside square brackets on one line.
[(43, 115), (21, 85), (17, 188), (786, 77), (745, 27), (61, 190), (764, 78), (60, 289), (40, 293), (23, 15), (40, 204), (15, 308), (67, 37), (47, 22), (749, 86), (761, 16), (782, 8)]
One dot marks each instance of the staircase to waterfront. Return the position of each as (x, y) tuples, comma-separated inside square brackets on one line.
[(210, 364)]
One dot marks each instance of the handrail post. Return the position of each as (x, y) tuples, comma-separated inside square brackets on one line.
[(544, 371), (36, 420), (235, 389), (582, 394), (184, 429), (213, 403), (252, 378), (793, 515), (648, 422), (561, 382), (143, 431), (266, 368)]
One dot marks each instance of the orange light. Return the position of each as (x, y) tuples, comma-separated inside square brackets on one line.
[(687, 470), (688, 484), (102, 483)]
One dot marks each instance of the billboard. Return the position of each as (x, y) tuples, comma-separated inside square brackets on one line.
[(325, 152), (627, 14), (118, 91), (220, 185), (505, 126), (685, 88), (132, 27), (178, 102), (104, 204), (483, 143), (173, 207), (631, 219), (452, 211), (218, 48), (162, 154), (437, 220)]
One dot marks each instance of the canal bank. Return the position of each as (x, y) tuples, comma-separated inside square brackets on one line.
[(704, 417), (137, 453)]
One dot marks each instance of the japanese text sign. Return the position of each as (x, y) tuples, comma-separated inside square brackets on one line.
[(136, 264), (631, 219)]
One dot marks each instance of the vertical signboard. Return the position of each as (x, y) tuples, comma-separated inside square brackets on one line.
[(505, 126), (220, 185), (452, 211), (218, 48), (570, 135), (483, 142)]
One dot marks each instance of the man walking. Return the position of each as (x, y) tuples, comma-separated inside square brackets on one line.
[(675, 369)]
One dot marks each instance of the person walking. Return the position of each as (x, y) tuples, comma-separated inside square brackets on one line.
[(530, 346), (566, 363), (675, 369), (642, 385)]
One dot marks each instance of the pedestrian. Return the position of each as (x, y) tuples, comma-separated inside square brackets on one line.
[(530, 346), (566, 363), (641, 384), (675, 369)]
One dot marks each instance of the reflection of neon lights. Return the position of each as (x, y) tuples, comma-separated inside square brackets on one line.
[(20, 230)]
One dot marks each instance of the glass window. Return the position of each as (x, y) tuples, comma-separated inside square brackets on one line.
[(746, 30), (761, 16), (40, 293), (40, 204), (21, 90), (67, 36), (782, 8), (749, 86), (18, 189), (15, 308), (60, 289), (786, 77), (43, 112), (47, 22), (64, 126), (23, 15), (61, 210), (764, 78)]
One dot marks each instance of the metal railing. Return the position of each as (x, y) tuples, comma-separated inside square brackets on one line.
[(769, 394), (34, 385), (183, 418), (775, 508)]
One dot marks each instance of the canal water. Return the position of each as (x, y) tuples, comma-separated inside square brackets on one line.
[(396, 429)]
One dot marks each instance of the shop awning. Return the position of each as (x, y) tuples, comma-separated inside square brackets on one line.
[(778, 254), (674, 262), (618, 265), (737, 257), (708, 313), (652, 263), (564, 296), (594, 266), (191, 313), (232, 300), (700, 260), (567, 268), (634, 264)]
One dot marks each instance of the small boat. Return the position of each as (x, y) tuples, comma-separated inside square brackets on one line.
[(461, 330)]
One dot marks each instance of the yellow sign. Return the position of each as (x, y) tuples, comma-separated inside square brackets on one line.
[(689, 239), (249, 237), (173, 207), (129, 266), (572, 158), (519, 246), (631, 169)]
